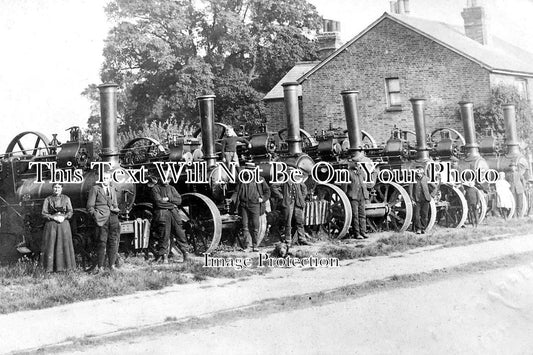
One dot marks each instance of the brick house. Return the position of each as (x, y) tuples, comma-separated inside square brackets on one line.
[(399, 57)]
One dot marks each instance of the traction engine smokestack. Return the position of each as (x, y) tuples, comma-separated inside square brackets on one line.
[(206, 106), (420, 129), (290, 94), (511, 135), (108, 114), (349, 99), (467, 116)]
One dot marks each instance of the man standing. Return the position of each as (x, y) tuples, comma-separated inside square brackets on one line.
[(357, 194), (102, 206), (421, 200), (517, 182), (250, 199), (472, 201), (229, 147), (167, 220), (292, 195)]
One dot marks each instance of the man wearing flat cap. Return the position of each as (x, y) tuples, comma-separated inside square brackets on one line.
[(357, 194), (292, 196), (167, 220), (421, 197), (250, 199)]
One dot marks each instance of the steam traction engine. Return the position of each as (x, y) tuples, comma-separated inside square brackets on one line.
[(22, 195), (502, 159), (390, 207), (327, 206)]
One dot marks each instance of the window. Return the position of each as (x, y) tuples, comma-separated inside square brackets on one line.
[(394, 100)]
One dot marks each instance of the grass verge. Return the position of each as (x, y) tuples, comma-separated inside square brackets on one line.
[(25, 286), (391, 243)]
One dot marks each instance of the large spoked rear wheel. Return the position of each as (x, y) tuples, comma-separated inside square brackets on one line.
[(390, 208), (338, 211), (452, 209), (202, 223)]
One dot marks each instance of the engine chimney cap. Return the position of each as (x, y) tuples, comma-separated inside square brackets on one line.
[(347, 92), (462, 103), (413, 99), (205, 97), (107, 85), (290, 83)]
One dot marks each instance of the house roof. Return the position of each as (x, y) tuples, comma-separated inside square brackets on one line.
[(299, 69), (498, 56)]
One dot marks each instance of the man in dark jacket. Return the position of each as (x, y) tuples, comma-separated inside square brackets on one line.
[(102, 206), (167, 220), (421, 201), (472, 201), (292, 196), (358, 195), (250, 199), (518, 183), (229, 147)]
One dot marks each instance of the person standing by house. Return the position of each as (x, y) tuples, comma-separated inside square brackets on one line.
[(472, 201), (292, 195), (250, 201), (103, 207), (57, 250), (167, 220), (504, 196), (518, 183), (421, 200), (358, 195)]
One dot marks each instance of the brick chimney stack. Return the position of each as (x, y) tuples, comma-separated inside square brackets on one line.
[(476, 22), (400, 7), (329, 40)]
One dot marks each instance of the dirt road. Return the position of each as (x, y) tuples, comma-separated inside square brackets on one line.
[(482, 313)]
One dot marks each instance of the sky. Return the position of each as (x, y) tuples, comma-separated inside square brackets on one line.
[(52, 49)]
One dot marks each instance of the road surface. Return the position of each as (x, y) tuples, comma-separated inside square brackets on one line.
[(488, 312)]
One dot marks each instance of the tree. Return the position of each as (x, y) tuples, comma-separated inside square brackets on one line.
[(490, 117), (166, 53)]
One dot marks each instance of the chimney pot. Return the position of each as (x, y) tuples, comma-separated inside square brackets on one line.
[(392, 7), (406, 6), (401, 8)]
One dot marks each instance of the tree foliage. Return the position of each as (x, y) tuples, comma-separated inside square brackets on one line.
[(165, 53), (490, 117)]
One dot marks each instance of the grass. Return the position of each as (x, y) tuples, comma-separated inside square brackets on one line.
[(25, 286), (391, 243)]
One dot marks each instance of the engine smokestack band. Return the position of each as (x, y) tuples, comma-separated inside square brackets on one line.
[(511, 135), (290, 94), (206, 107), (349, 99), (108, 114), (467, 116), (420, 129)]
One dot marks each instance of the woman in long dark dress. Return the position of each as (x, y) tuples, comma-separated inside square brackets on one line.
[(57, 251)]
